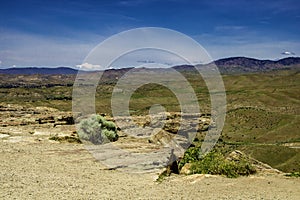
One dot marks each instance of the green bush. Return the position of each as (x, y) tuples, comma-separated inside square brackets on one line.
[(111, 135), (191, 155), (294, 174), (97, 130), (216, 163)]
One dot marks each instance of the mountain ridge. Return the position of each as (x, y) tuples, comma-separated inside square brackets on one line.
[(225, 65), (238, 65), (39, 70)]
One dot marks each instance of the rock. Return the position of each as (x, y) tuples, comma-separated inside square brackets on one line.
[(161, 138), (186, 169), (65, 120), (45, 120), (204, 124), (236, 156), (172, 126), (2, 135)]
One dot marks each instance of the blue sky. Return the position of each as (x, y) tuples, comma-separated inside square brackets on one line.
[(62, 33)]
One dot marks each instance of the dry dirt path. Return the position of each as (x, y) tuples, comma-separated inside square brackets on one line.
[(47, 170)]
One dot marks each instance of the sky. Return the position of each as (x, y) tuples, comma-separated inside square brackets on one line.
[(63, 32)]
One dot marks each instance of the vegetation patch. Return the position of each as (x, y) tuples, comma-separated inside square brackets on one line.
[(294, 174), (69, 139), (97, 130), (216, 163)]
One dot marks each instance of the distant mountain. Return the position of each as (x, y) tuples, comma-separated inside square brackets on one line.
[(289, 61), (249, 65), (243, 64), (37, 70), (233, 65)]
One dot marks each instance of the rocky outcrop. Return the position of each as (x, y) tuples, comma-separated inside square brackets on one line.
[(27, 124), (165, 145), (16, 115), (152, 144)]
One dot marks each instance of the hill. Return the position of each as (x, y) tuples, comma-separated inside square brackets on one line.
[(38, 70), (241, 65), (244, 65)]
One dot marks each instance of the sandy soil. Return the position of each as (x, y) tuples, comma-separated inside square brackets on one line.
[(33, 169)]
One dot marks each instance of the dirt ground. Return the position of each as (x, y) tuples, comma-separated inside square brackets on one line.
[(41, 169)]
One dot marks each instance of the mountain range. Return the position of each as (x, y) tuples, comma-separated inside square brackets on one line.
[(225, 65), (240, 65)]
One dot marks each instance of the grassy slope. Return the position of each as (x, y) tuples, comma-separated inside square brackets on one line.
[(264, 112)]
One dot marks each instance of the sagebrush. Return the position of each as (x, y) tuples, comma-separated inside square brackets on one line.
[(97, 130)]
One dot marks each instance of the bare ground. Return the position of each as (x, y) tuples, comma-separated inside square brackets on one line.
[(41, 169)]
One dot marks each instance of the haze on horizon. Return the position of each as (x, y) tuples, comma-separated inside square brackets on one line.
[(62, 33)]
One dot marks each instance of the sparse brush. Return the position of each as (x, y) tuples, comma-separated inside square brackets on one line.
[(216, 163), (97, 129), (69, 139), (294, 174)]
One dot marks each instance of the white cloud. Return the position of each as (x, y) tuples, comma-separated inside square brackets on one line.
[(288, 53), (88, 66)]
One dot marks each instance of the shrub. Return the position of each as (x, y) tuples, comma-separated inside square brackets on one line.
[(294, 174), (215, 163), (97, 130), (111, 135), (191, 155)]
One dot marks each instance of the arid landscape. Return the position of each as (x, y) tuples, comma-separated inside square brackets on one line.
[(42, 156), (148, 99)]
